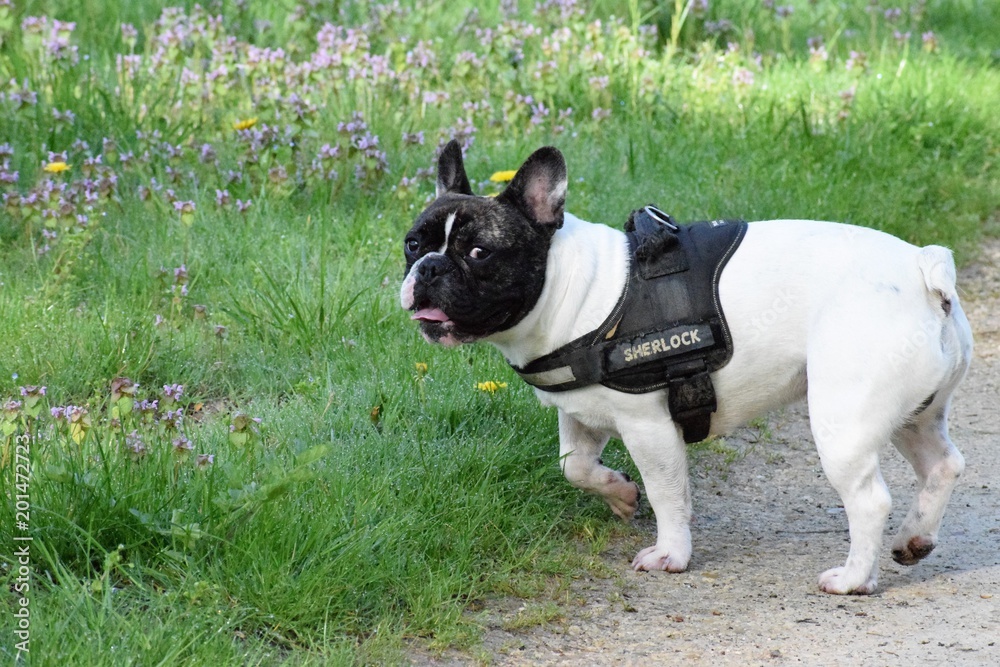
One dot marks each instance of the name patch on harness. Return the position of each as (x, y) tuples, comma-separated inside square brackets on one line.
[(659, 344)]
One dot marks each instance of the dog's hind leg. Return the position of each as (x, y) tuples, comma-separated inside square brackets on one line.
[(938, 464), (848, 440), (580, 458), (923, 437)]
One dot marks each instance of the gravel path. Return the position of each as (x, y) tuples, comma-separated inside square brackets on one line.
[(765, 527)]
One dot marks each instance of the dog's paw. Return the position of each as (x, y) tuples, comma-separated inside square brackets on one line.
[(912, 550), (841, 581), (658, 558), (623, 498)]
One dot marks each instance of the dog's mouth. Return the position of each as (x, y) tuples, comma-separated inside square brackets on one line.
[(427, 313), (436, 326)]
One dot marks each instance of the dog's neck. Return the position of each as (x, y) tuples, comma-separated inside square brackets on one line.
[(584, 277)]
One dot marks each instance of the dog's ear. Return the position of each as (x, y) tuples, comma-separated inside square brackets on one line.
[(451, 171), (539, 187)]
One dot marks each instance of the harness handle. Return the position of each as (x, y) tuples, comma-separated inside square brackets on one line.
[(661, 217)]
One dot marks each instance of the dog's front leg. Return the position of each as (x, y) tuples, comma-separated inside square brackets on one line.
[(659, 452), (580, 457)]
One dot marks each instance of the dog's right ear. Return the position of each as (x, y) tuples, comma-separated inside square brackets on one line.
[(451, 171)]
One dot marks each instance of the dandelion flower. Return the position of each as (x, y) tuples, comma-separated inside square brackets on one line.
[(56, 167), (503, 176), (421, 367), (245, 124), (490, 386)]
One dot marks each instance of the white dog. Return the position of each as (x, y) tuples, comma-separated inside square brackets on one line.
[(866, 327)]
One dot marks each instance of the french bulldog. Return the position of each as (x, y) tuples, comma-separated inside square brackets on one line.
[(866, 327)]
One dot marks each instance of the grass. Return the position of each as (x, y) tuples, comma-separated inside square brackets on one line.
[(377, 501)]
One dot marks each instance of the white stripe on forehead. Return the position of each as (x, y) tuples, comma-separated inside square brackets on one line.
[(447, 231)]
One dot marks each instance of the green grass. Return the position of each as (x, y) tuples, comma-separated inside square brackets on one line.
[(378, 504)]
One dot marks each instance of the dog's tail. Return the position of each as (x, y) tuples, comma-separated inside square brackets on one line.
[(938, 268)]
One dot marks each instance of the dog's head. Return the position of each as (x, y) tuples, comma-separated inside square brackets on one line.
[(475, 266)]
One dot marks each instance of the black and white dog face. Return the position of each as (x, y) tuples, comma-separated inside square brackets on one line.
[(475, 266)]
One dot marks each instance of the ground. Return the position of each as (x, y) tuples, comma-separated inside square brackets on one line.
[(765, 526)]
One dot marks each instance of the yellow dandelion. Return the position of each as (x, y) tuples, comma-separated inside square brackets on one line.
[(56, 167), (503, 176), (490, 386), (244, 124), (421, 367)]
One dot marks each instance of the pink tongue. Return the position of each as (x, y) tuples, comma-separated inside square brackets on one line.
[(430, 315)]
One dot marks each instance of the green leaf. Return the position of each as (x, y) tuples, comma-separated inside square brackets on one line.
[(312, 455)]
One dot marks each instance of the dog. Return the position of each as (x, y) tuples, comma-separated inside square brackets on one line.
[(866, 327)]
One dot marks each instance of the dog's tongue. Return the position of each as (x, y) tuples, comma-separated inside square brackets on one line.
[(430, 315)]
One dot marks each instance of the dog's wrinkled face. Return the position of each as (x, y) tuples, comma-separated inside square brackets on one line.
[(476, 265)]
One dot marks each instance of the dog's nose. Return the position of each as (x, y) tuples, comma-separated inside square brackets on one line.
[(434, 266)]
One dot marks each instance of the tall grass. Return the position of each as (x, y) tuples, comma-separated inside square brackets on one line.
[(381, 495)]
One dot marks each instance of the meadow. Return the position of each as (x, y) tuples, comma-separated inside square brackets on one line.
[(226, 441)]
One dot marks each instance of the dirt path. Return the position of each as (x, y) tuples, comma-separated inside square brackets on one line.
[(766, 526)]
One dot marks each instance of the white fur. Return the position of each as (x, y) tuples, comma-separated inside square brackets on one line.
[(448, 224), (850, 318)]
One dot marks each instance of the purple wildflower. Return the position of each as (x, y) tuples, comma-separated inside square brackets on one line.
[(182, 446), (175, 391), (416, 138), (207, 154), (135, 446), (63, 117), (328, 152), (129, 34), (172, 419)]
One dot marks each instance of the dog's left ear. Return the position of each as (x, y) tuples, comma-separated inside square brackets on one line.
[(451, 171), (539, 187)]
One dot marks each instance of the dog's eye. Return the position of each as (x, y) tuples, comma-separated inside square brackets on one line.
[(479, 253), (412, 245)]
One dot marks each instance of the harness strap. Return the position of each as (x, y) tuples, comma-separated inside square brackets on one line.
[(692, 401)]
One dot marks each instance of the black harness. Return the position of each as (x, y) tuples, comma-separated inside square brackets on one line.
[(667, 330)]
